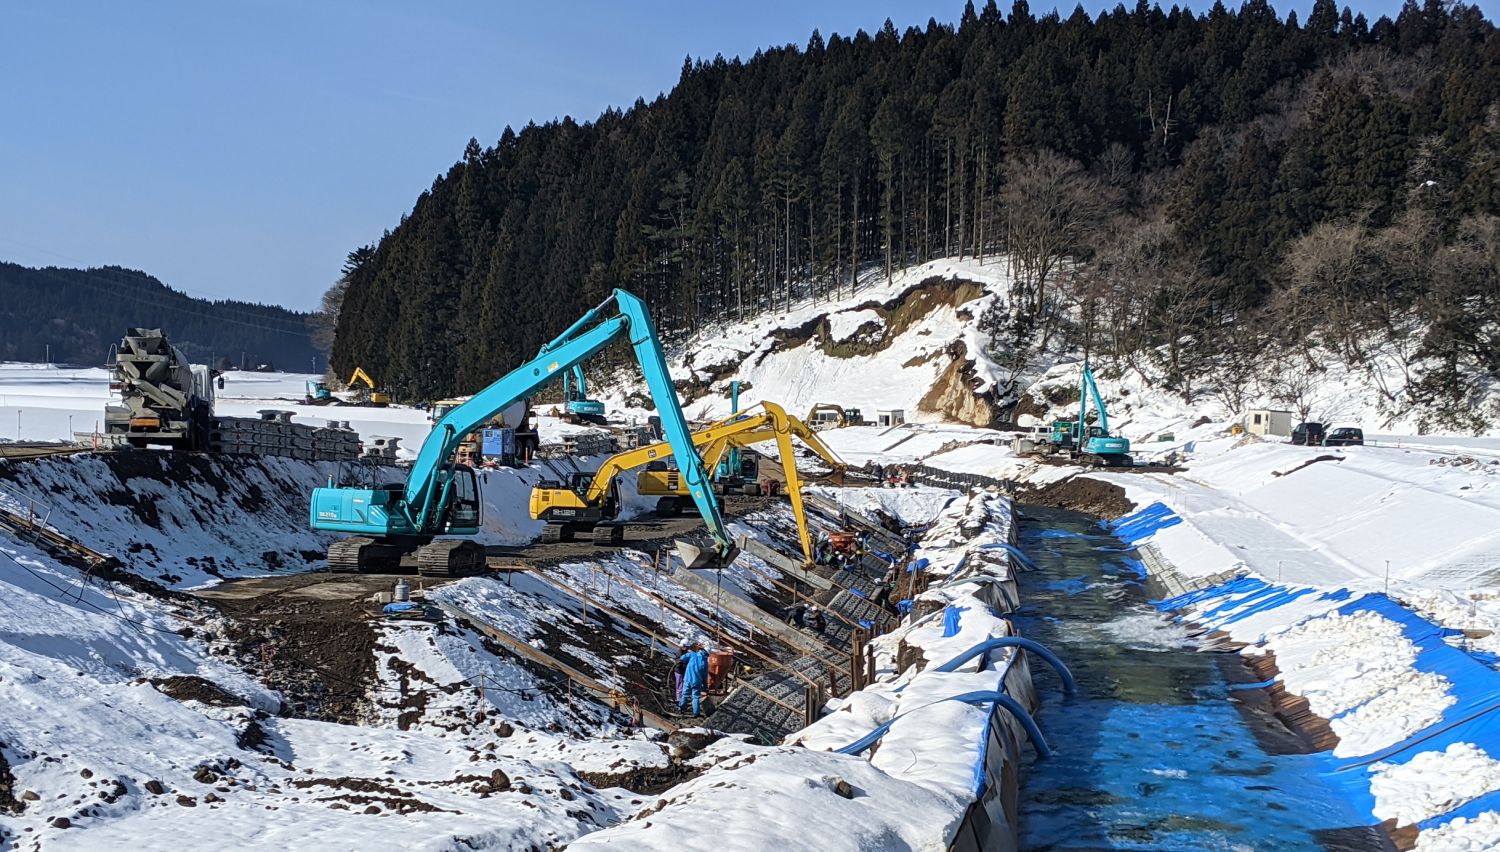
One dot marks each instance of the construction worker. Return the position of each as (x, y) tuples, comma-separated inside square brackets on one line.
[(694, 678), (815, 621), (677, 670), (796, 615)]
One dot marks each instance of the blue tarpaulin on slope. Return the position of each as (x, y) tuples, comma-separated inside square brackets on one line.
[(1239, 585), (1145, 523), (1473, 718)]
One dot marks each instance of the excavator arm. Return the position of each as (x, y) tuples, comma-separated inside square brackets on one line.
[(716, 432), (773, 425), (429, 486), (1091, 387), (361, 376)]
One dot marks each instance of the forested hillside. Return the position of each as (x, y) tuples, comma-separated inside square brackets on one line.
[(81, 313), (1186, 195)]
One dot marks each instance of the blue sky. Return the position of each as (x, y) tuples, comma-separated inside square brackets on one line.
[(243, 149)]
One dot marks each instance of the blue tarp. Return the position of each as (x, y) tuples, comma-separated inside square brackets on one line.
[(1135, 527), (1473, 718), (950, 620)]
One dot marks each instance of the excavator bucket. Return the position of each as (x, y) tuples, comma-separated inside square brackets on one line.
[(702, 554)]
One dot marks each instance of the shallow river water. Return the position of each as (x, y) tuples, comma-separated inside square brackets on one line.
[(1154, 752)]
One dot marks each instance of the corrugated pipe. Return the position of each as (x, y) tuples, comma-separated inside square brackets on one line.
[(987, 697)]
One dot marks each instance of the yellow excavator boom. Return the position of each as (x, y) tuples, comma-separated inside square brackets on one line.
[(361, 376), (773, 423)]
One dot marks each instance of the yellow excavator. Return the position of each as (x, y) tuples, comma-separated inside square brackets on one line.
[(590, 501), (666, 484), (364, 390)]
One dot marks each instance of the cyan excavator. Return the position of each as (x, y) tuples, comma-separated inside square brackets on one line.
[(1091, 444), (577, 407), (441, 497)]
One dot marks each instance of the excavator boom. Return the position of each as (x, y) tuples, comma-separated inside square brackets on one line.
[(739, 430), (421, 509)]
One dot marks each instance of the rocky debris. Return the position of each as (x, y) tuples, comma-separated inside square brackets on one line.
[(8, 802), (154, 787), (194, 688)]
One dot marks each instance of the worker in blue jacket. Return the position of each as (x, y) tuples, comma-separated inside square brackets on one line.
[(694, 677)]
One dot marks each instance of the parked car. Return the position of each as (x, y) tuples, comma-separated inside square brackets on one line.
[(1308, 434), (1345, 436)]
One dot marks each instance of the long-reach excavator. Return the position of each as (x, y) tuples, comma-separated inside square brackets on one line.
[(591, 500), (441, 497), (668, 486)]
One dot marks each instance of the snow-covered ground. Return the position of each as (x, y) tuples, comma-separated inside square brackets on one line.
[(1415, 514), (865, 362)]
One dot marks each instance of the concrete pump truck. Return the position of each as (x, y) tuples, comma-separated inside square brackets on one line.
[(441, 497)]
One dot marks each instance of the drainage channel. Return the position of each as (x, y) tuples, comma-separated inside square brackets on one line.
[(1159, 750)]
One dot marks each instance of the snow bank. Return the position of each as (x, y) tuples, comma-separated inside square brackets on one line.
[(845, 324), (1432, 783), (1387, 685), (1330, 516), (1480, 834), (912, 507), (754, 798), (1360, 665)]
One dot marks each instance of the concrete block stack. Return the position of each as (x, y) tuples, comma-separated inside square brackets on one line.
[(274, 434), (382, 447)]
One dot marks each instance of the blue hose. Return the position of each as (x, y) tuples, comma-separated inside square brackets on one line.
[(1069, 685), (1013, 551), (1012, 706)]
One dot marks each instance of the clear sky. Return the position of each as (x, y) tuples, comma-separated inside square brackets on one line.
[(241, 149)]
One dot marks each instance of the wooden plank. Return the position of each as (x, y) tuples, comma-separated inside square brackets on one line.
[(599, 690)]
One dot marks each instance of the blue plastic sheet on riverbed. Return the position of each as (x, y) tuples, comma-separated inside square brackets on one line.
[(1474, 717), (1176, 777), (1152, 754)]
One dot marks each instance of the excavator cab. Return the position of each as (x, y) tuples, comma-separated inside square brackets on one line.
[(464, 509)]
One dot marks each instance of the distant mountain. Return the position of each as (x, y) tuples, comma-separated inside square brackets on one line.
[(81, 313)]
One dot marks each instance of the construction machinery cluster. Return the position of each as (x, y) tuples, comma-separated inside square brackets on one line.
[(430, 518)]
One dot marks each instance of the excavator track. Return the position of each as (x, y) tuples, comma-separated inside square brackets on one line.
[(344, 556), (450, 558), (364, 555), (608, 534), (554, 533)]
